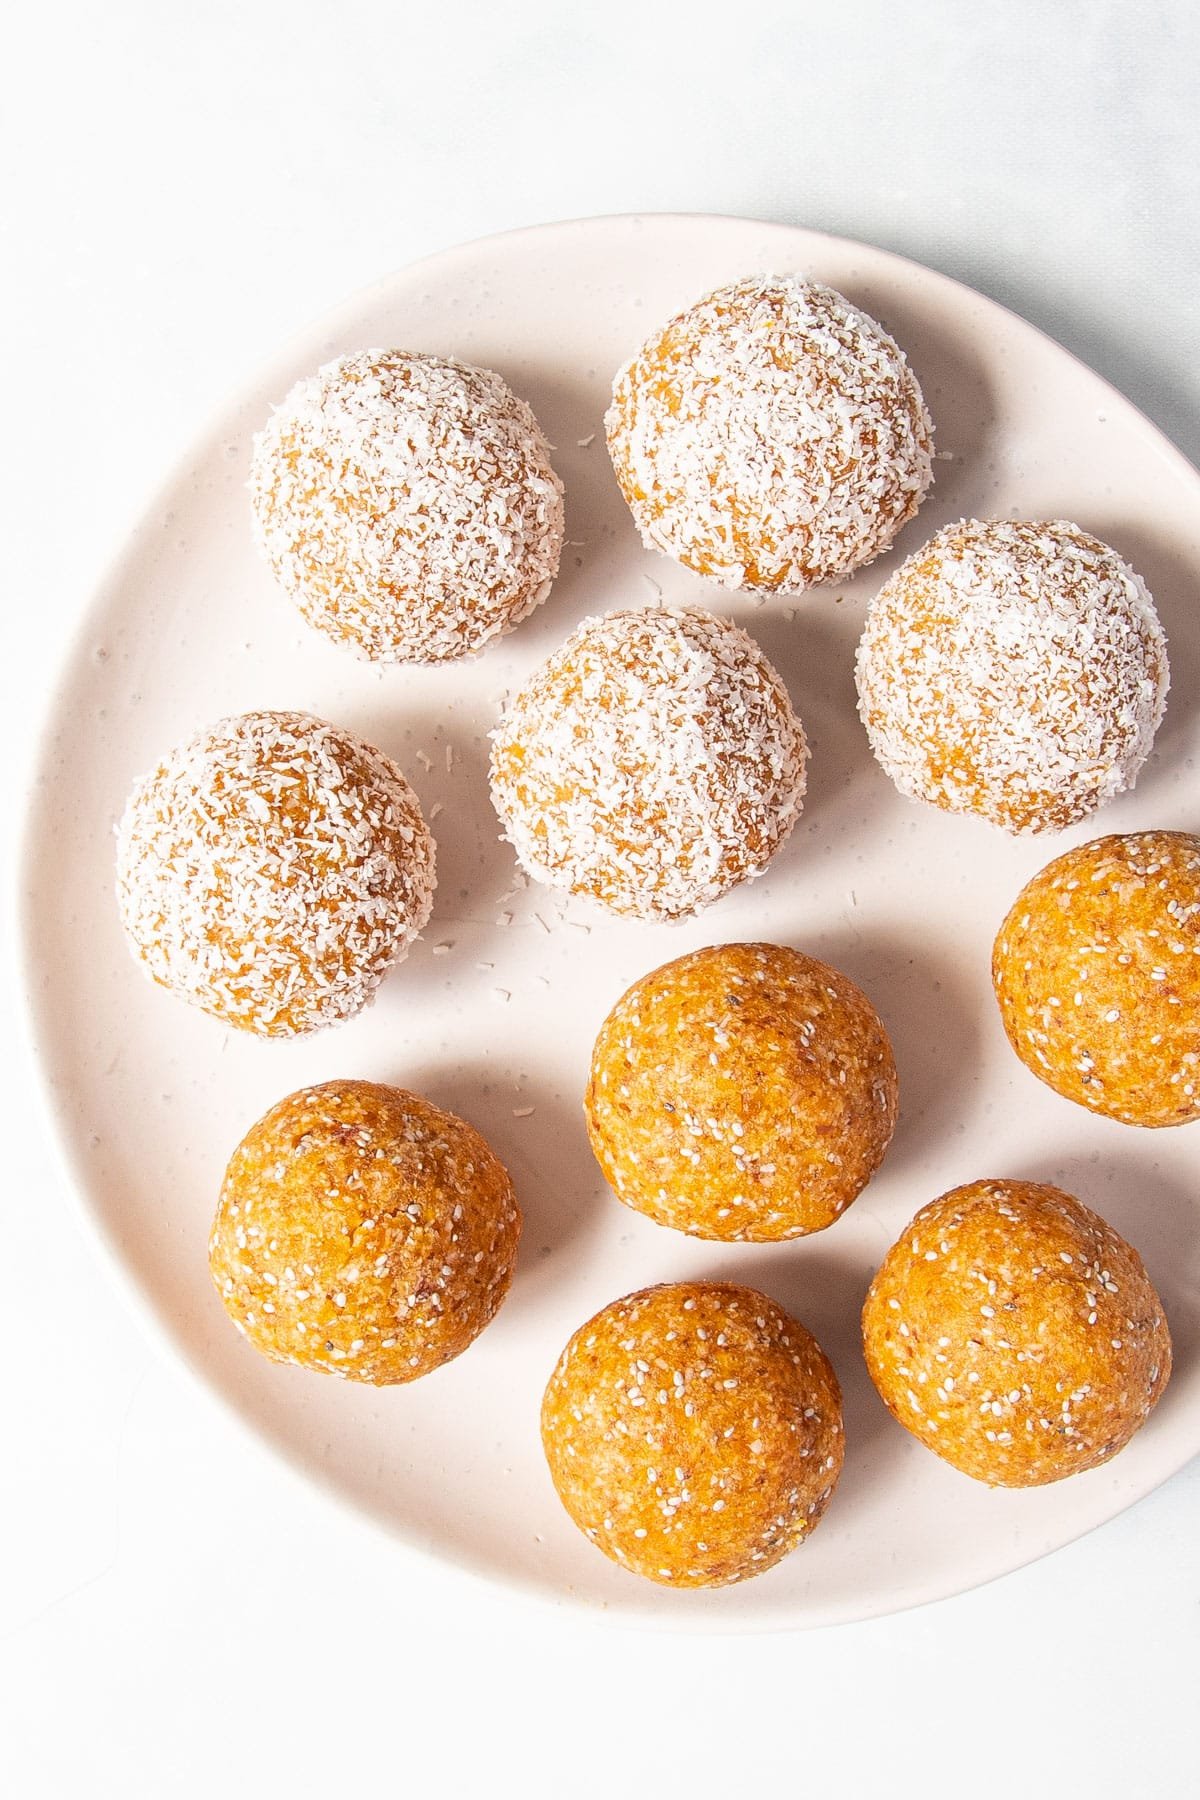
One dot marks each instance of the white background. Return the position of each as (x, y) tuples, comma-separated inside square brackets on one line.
[(185, 187)]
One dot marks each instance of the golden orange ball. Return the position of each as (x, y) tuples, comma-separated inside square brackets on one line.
[(742, 1092), (694, 1432), (1097, 975), (364, 1232), (1016, 1334)]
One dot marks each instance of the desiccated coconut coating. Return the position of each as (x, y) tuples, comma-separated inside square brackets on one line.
[(364, 1232), (407, 504), (271, 870), (771, 436), (652, 763), (741, 1092), (1013, 668), (1016, 1334), (694, 1432), (1097, 974)]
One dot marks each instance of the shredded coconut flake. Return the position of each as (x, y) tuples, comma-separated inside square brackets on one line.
[(653, 762), (272, 869), (1013, 668), (771, 436), (407, 504)]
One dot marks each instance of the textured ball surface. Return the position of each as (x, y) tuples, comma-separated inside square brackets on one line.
[(1014, 669), (1097, 975), (742, 1092), (652, 763), (363, 1232), (407, 504), (771, 436), (694, 1432), (271, 870), (1016, 1334)]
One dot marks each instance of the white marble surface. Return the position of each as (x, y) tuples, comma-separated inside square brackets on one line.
[(178, 1615)]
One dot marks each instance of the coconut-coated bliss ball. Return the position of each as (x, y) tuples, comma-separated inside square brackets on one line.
[(271, 870), (1016, 1334), (742, 1092), (407, 504), (363, 1232), (771, 436), (1097, 976), (694, 1432), (651, 764), (1015, 669)]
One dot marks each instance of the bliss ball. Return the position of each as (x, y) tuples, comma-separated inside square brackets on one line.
[(1097, 975), (694, 1432), (271, 870), (652, 763), (770, 437), (1014, 669), (363, 1232), (744, 1092), (1016, 1334), (407, 504)]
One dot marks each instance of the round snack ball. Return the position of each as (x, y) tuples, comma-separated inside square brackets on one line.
[(652, 763), (694, 1432), (1015, 669), (1016, 1334), (744, 1092), (770, 437), (271, 870), (1097, 974), (364, 1232), (407, 504)]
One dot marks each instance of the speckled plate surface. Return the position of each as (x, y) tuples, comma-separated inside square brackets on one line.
[(495, 1010)]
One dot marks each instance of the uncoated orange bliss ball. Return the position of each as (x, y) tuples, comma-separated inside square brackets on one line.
[(407, 504), (1013, 668), (271, 870), (694, 1432), (770, 436), (1097, 976), (1016, 1334), (651, 764), (364, 1232), (742, 1092)]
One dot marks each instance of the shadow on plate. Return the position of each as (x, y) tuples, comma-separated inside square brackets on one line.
[(824, 1284), (931, 1016), (1170, 568), (540, 1137)]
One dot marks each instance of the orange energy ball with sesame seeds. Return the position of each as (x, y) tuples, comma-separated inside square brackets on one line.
[(770, 436), (271, 870), (743, 1092), (1097, 975), (407, 504), (694, 1432), (1016, 1334), (1014, 669), (364, 1232), (651, 764)]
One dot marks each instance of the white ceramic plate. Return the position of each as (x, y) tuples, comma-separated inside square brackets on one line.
[(150, 1099)]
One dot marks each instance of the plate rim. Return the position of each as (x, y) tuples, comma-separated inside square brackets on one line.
[(67, 1161)]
